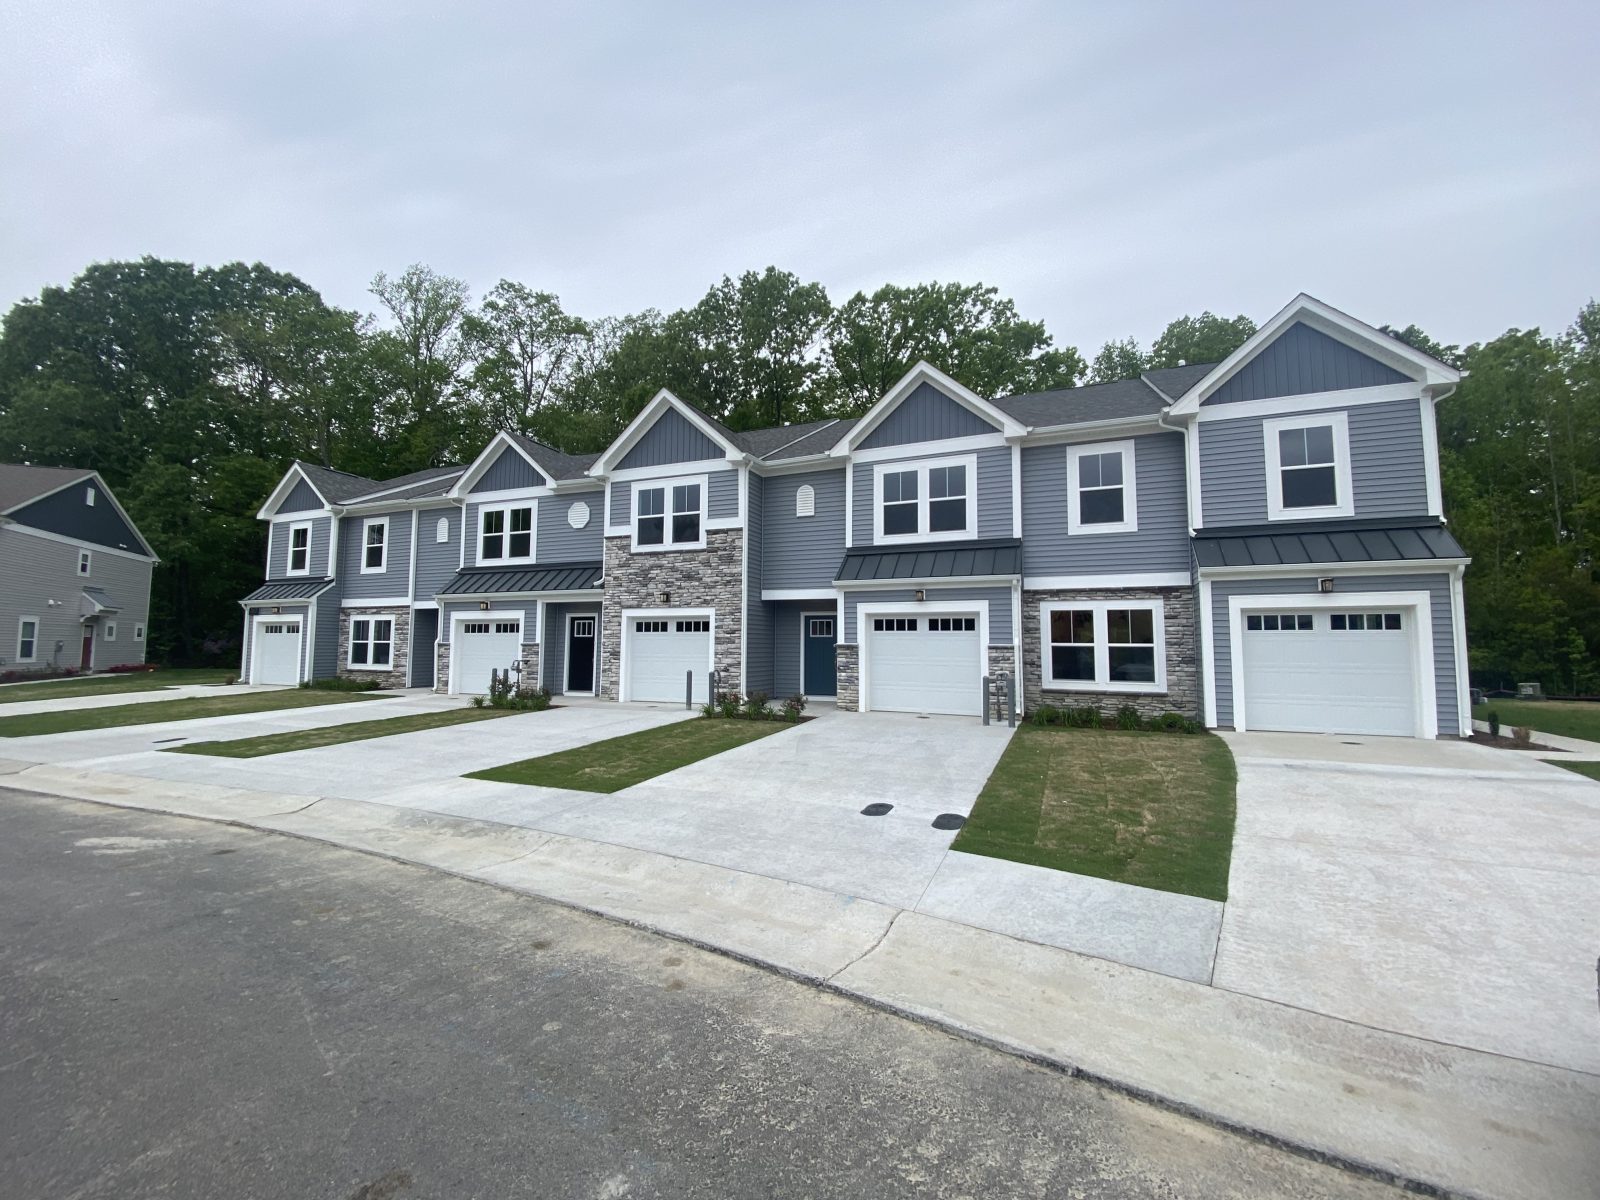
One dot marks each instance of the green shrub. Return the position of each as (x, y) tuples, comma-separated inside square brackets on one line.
[(1046, 714), (709, 709), (477, 702), (1128, 718), (793, 707), (1494, 723), (730, 704), (340, 683), (757, 706)]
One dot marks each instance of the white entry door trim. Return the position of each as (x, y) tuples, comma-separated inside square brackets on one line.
[(457, 620), (258, 631), (630, 615), (927, 608), (1419, 604)]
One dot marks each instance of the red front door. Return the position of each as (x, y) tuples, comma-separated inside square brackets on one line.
[(88, 648)]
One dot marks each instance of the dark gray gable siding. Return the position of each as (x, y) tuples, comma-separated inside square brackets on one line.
[(722, 498), (1387, 465), (278, 548), (993, 493), (1444, 646), (301, 498), (672, 439), (558, 541), (1301, 360), (1161, 543), (395, 578), (926, 415), (998, 598), (802, 551), (508, 472), (67, 514), (437, 561), (757, 615)]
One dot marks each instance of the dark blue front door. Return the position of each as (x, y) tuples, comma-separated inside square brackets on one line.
[(817, 637)]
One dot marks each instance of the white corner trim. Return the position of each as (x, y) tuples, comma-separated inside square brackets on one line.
[(1345, 505), (912, 608), (1016, 489), (1458, 637), (1208, 652), (1192, 481), (1128, 579), (1430, 455), (1130, 488), (849, 504)]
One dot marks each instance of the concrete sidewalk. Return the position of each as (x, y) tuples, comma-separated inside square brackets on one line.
[(177, 691), (1429, 1114)]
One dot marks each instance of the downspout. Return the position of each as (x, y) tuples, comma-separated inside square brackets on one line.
[(1200, 595)]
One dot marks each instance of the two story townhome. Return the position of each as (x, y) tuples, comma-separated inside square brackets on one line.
[(1258, 542), (74, 573)]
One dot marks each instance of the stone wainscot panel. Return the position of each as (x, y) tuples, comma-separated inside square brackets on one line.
[(1183, 674), (393, 676)]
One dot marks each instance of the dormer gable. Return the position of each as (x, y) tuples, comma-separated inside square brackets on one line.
[(295, 493), (667, 431), (927, 405), (502, 466)]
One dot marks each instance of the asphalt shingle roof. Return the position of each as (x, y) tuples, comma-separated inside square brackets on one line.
[(336, 486), (20, 482), (992, 556), (559, 577), (1141, 397), (555, 464)]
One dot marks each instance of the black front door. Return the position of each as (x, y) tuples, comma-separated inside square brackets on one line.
[(580, 654), (817, 657)]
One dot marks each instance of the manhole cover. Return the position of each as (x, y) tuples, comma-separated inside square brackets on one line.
[(949, 821), (876, 810)]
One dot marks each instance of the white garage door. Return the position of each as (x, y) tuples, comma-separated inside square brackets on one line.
[(660, 652), (1330, 672), (278, 651), (924, 664), (482, 647)]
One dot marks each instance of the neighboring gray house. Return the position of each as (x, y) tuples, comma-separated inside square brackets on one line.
[(1258, 542), (74, 573)]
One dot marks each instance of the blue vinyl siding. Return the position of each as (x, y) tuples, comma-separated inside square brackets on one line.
[(926, 415), (672, 439), (324, 637), (722, 497), (993, 493), (301, 498), (1299, 361), (502, 610), (1444, 652), (999, 600), (508, 472), (558, 541), (1161, 543), (278, 548), (1387, 465), (757, 615), (802, 551), (437, 561), (395, 578)]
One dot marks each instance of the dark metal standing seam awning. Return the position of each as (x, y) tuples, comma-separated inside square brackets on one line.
[(494, 581), (1283, 548), (995, 556), (287, 589)]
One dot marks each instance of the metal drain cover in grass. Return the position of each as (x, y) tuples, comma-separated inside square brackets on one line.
[(876, 810), (949, 821)]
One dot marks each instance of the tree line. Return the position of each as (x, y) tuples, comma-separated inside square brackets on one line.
[(191, 388)]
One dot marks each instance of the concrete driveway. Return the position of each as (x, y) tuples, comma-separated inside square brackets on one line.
[(1438, 889)]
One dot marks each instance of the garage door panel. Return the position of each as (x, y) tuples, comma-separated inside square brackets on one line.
[(924, 664), (1327, 672), (479, 648), (277, 651), (661, 651)]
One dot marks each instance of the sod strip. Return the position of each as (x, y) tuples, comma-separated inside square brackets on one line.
[(160, 711), (1591, 769), (620, 762), (107, 685), (337, 735)]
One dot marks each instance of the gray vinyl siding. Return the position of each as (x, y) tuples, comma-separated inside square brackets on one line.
[(1302, 360), (926, 415), (559, 542), (437, 561), (802, 552), (553, 657), (1161, 543), (278, 547), (757, 615), (722, 497), (325, 637), (529, 608), (788, 625), (670, 440), (67, 514), (1001, 627), (507, 473), (993, 493), (423, 659), (1444, 651), (301, 498), (38, 570), (395, 578), (1387, 465)]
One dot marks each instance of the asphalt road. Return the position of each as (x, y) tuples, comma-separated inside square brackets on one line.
[(193, 1010)]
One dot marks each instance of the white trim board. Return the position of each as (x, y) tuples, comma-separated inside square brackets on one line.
[(816, 593), (1130, 579), (11, 525), (1278, 406)]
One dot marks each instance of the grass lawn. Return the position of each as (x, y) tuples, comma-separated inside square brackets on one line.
[(187, 709), (1591, 769), (110, 685), (1564, 718), (334, 735), (620, 762), (1152, 809)]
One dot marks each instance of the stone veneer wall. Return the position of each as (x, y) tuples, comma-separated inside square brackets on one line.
[(710, 578), (1183, 673), (441, 666), (847, 669), (400, 653), (1002, 661)]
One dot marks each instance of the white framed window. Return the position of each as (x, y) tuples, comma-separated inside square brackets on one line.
[(27, 639), (374, 545), (819, 627), (929, 501), (1102, 492), (85, 563), (441, 531), (805, 501), (371, 643), (88, 497), (138, 633), (1308, 466), (505, 533), (669, 514), (1103, 645), (299, 549), (111, 631)]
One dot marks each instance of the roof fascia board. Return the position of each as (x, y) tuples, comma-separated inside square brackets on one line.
[(911, 581), (640, 425), (1094, 431), (285, 486), (925, 372), (569, 593), (22, 527), (365, 497)]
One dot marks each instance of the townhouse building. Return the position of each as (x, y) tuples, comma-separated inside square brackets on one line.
[(1259, 543)]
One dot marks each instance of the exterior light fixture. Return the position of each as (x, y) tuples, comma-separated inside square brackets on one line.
[(483, 606), (1325, 584), (664, 598), (276, 610), (921, 595)]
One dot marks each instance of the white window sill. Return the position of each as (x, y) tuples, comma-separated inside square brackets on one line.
[(670, 548), (917, 539), (1089, 530), (1131, 689), (1275, 513), (507, 562)]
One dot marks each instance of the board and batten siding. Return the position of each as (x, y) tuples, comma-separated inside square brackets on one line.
[(278, 548), (1301, 361), (302, 497), (802, 552), (559, 542), (757, 614), (926, 415), (395, 578), (509, 472), (672, 439), (1161, 543), (999, 600), (1387, 465), (722, 496), (437, 561), (68, 513), (1444, 648), (993, 490)]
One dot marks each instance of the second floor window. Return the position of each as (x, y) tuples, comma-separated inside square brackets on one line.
[(506, 533), (299, 550), (1101, 497), (374, 544), (927, 501), (1308, 466), (669, 515)]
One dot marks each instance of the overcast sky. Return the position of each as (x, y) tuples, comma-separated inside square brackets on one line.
[(1108, 166)]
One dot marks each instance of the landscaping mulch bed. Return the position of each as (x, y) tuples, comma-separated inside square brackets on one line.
[(1504, 743)]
